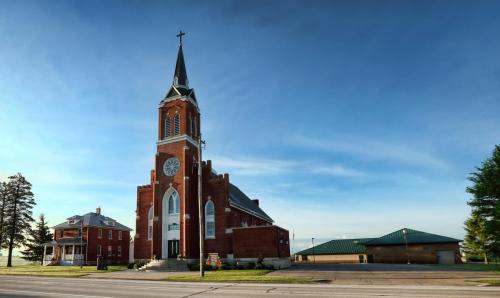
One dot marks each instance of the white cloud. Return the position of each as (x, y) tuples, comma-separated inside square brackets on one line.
[(251, 166), (370, 150)]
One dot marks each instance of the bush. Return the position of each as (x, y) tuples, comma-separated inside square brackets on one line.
[(226, 266), (251, 265), (130, 265)]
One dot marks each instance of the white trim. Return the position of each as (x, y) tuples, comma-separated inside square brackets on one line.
[(182, 137), (181, 97)]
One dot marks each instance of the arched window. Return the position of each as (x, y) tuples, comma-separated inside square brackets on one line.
[(150, 223), (166, 127), (190, 123), (177, 124), (209, 220), (195, 127), (173, 203)]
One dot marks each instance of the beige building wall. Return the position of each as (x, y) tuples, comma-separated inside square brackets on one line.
[(331, 258)]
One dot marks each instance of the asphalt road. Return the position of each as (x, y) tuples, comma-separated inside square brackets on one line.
[(21, 286)]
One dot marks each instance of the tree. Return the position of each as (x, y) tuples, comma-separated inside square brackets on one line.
[(18, 212), (486, 198), (3, 206), (37, 237), (476, 239)]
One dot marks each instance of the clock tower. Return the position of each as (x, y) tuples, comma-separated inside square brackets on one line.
[(174, 180)]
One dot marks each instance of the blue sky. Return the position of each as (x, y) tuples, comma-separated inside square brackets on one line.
[(345, 118)]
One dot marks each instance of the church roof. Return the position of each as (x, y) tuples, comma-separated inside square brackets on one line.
[(240, 200), (338, 247), (93, 220), (412, 237), (180, 70)]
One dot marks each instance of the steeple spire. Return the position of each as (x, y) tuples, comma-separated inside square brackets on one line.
[(180, 75)]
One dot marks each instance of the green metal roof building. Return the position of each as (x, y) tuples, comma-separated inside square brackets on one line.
[(402, 246)]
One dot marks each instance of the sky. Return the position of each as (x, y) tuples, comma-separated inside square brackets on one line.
[(345, 118)]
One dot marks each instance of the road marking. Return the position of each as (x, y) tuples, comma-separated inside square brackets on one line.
[(50, 294)]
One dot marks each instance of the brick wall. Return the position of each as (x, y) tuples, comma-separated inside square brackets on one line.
[(265, 242)]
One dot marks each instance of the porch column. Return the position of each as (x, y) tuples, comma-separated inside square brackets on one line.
[(73, 256)]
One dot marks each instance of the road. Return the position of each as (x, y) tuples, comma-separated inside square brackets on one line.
[(23, 286)]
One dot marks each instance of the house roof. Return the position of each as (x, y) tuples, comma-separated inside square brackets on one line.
[(412, 237), (338, 247), (93, 220), (241, 201)]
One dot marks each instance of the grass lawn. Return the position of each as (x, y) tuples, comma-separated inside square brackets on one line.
[(59, 271), (241, 276), (490, 282), (476, 267)]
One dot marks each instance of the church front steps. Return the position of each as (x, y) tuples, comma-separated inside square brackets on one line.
[(165, 265)]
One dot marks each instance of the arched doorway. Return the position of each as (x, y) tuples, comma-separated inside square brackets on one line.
[(170, 224)]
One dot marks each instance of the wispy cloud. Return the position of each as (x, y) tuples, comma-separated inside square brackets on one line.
[(370, 150), (251, 166)]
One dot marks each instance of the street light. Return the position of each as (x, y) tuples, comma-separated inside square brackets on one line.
[(314, 258), (406, 246)]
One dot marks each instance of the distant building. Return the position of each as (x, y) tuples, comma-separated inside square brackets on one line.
[(167, 214), (402, 246), (84, 238)]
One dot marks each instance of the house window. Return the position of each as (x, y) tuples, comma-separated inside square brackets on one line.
[(150, 223), (119, 235), (166, 127), (119, 251), (110, 250), (210, 220), (177, 124), (61, 233), (99, 250), (110, 234), (99, 233)]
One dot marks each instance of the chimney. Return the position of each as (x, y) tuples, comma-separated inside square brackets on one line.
[(98, 210), (256, 201)]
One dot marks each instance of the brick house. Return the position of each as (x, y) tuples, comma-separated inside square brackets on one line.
[(167, 221), (83, 238), (402, 246)]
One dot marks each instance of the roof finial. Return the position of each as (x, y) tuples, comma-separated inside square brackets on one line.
[(180, 36)]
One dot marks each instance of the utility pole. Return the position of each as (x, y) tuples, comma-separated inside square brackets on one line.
[(406, 246), (314, 257), (200, 208)]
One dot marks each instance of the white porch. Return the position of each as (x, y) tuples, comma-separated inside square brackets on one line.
[(64, 252)]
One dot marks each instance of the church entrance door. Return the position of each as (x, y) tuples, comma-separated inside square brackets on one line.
[(173, 248)]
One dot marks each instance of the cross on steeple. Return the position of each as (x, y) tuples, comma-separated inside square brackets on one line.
[(180, 36)]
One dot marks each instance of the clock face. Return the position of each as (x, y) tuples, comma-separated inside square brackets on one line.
[(171, 166)]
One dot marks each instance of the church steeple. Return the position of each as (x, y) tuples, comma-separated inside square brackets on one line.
[(180, 75)]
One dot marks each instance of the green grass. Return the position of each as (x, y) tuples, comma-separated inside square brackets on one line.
[(490, 282), (59, 271), (476, 267), (241, 276)]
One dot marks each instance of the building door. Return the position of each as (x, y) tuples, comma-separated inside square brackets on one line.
[(173, 248), (446, 256)]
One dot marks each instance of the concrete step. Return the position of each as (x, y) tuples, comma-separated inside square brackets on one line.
[(165, 265)]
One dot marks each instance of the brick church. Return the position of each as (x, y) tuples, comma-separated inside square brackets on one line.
[(167, 221)]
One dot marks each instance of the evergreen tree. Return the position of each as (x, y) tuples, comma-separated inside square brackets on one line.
[(18, 211), (476, 239), (37, 237), (486, 197), (3, 218)]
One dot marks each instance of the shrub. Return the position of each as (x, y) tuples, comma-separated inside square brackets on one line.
[(130, 265), (251, 265), (226, 266)]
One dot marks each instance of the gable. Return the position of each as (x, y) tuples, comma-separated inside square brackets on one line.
[(241, 201)]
